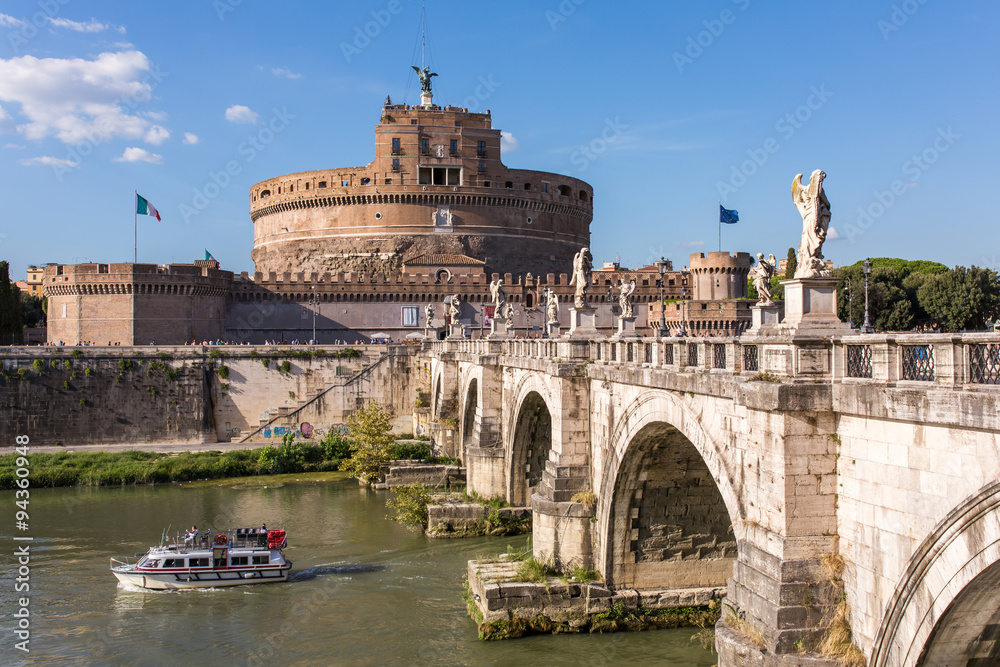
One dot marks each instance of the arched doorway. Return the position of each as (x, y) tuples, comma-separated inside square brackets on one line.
[(531, 445), (668, 524), (471, 405)]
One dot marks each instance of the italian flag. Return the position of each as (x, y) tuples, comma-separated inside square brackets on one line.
[(143, 207)]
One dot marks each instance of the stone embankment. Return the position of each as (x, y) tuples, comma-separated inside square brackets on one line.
[(405, 473), (458, 519), (505, 608)]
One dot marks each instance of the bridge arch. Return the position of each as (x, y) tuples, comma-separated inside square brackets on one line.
[(660, 456), (945, 607), (470, 406), (529, 440)]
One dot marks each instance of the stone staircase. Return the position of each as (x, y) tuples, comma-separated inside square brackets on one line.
[(286, 416)]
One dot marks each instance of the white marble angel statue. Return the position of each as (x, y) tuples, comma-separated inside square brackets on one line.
[(552, 308), (455, 308), (499, 296), (583, 263), (814, 208), (429, 313), (762, 277), (625, 290)]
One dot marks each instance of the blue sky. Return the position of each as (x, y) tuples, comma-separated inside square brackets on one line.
[(664, 107)]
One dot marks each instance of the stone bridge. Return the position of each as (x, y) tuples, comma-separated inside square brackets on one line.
[(793, 469)]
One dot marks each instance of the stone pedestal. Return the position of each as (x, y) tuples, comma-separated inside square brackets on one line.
[(553, 329), (583, 322), (811, 306), (426, 99), (626, 327), (456, 330), (498, 329), (766, 315)]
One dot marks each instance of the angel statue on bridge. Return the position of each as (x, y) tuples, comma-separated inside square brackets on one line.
[(814, 208), (583, 263), (625, 290), (499, 296), (762, 277)]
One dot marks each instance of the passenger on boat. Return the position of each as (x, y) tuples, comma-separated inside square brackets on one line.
[(190, 535)]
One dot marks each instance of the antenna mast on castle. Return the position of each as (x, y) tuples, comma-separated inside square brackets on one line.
[(423, 34)]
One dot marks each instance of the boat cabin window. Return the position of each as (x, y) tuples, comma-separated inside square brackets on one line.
[(197, 562), (173, 562), (149, 562), (239, 560), (260, 560)]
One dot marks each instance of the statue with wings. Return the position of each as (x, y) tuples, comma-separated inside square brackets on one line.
[(762, 277), (625, 290), (425, 78), (814, 208)]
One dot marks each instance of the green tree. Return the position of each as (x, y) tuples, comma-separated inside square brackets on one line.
[(11, 318), (961, 298), (791, 264), (32, 310), (371, 442)]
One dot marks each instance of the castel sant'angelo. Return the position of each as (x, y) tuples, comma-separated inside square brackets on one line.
[(358, 251)]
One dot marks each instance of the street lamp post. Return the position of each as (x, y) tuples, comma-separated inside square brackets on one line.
[(850, 303), (661, 267), (867, 327), (314, 304), (682, 330)]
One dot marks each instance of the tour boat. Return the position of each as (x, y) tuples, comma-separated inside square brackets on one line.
[(209, 559)]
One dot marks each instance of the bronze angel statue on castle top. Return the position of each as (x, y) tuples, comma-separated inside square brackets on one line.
[(425, 77)]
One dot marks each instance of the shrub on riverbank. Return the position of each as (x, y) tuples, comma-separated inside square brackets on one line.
[(135, 467)]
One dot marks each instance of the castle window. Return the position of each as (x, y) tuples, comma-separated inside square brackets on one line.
[(481, 148), (397, 149), (291, 188), (307, 186), (482, 166), (265, 193), (388, 181), (413, 122), (564, 190), (322, 184), (366, 181), (396, 166), (458, 123), (346, 183), (527, 186), (509, 185), (279, 189), (425, 146), (487, 184), (545, 186), (583, 195), (453, 147)]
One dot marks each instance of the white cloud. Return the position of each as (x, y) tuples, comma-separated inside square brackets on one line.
[(508, 142), (77, 99), (14, 146), (156, 135), (6, 122), (832, 234), (190, 139), (90, 26), (47, 160), (288, 74), (241, 114), (11, 22), (134, 154)]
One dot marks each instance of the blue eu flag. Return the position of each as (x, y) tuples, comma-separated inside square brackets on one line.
[(728, 217)]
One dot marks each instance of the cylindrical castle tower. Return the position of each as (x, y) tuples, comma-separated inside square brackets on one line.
[(720, 275), (436, 186)]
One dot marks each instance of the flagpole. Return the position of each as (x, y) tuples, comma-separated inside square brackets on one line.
[(720, 225), (135, 225)]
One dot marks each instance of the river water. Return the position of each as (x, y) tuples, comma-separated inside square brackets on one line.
[(364, 590)]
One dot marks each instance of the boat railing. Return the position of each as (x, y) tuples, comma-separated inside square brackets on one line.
[(234, 537)]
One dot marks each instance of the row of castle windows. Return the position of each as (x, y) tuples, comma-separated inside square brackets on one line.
[(449, 176)]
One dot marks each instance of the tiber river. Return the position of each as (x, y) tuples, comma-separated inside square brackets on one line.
[(364, 590)]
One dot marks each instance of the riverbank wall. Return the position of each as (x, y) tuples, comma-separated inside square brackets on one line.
[(197, 394)]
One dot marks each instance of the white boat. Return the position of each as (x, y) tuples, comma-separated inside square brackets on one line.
[(210, 559)]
